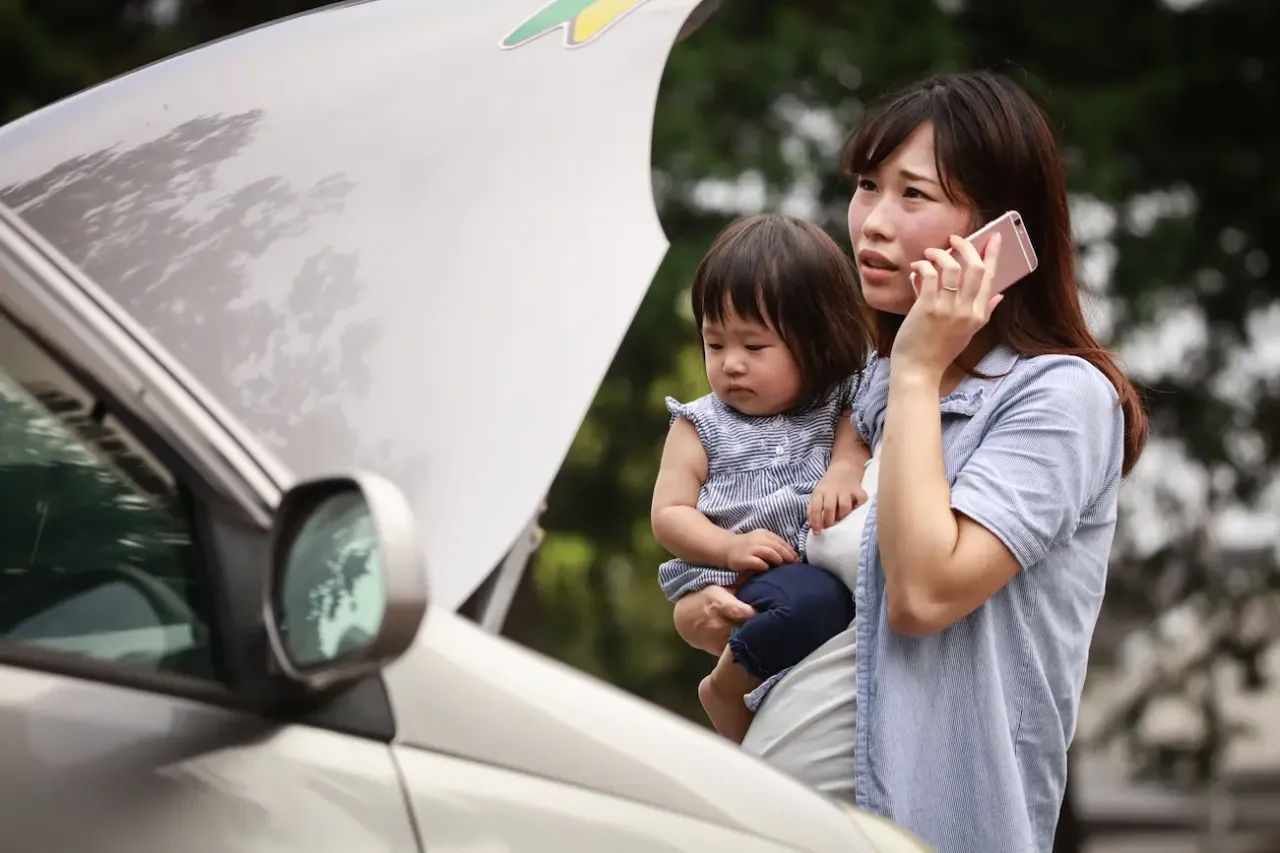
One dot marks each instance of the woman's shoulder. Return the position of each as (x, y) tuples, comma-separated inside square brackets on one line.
[(1065, 403), (877, 370), (1064, 377), (870, 396)]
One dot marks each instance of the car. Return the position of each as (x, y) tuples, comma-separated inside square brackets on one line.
[(290, 349)]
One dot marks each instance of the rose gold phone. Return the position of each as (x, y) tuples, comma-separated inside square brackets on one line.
[(1017, 256)]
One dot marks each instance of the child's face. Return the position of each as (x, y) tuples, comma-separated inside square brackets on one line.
[(749, 367)]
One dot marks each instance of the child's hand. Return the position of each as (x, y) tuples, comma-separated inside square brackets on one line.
[(837, 494), (757, 551)]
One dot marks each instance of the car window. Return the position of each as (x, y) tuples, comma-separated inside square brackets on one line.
[(98, 557)]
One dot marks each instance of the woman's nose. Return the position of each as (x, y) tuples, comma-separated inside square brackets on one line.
[(876, 225)]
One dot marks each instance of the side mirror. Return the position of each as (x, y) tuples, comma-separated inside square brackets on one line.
[(348, 584)]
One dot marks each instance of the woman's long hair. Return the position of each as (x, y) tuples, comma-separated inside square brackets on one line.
[(995, 151)]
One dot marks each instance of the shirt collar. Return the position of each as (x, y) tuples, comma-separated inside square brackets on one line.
[(974, 391)]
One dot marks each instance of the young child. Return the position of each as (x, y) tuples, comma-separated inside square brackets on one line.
[(776, 304)]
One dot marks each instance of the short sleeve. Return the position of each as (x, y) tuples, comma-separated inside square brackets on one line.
[(697, 413), (1054, 446)]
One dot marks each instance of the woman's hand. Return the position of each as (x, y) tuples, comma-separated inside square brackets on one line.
[(955, 302), (705, 618), (837, 494)]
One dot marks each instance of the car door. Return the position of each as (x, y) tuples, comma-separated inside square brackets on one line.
[(135, 705)]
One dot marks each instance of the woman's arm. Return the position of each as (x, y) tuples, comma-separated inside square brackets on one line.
[(677, 524), (930, 580), (1048, 453), (938, 567), (703, 619)]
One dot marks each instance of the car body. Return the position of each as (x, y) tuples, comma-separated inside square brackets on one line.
[(260, 313)]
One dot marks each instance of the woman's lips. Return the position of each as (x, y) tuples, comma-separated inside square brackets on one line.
[(875, 273), (875, 266)]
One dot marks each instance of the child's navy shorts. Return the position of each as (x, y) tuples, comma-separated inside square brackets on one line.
[(798, 608)]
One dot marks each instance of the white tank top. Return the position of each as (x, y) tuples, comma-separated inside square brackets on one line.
[(806, 726), (839, 548)]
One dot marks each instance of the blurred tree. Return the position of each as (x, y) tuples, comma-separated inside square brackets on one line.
[(49, 50)]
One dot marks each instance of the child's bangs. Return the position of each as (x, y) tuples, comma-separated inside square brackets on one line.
[(740, 284)]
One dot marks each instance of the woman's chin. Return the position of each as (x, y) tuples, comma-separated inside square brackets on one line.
[(888, 298)]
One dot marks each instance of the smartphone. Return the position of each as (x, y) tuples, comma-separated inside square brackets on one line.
[(1017, 255)]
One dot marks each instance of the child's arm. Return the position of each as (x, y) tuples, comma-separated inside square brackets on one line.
[(840, 491), (848, 448), (681, 528)]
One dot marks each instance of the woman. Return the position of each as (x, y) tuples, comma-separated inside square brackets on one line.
[(1001, 431)]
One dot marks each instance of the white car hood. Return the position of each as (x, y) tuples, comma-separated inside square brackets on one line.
[(379, 237)]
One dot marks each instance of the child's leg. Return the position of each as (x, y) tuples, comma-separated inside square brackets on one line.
[(799, 607), (722, 694)]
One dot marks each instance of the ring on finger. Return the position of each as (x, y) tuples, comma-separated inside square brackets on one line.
[(950, 289)]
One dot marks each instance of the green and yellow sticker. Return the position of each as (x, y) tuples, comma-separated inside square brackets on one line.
[(581, 20)]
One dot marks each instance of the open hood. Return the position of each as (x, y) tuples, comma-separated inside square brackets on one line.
[(399, 235)]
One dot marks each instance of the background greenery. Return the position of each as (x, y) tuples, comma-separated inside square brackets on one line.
[(1167, 115)]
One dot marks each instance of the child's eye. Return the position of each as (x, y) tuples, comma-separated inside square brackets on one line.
[(715, 346), (755, 347)]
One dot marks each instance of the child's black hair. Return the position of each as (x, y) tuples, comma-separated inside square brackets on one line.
[(789, 275)]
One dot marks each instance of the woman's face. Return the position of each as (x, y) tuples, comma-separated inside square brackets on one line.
[(897, 212)]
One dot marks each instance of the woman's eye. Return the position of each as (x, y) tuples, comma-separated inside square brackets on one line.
[(912, 192), (866, 185)]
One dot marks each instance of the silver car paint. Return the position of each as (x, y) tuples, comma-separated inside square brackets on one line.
[(327, 220), (101, 769), (468, 808), (462, 691), (84, 326)]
